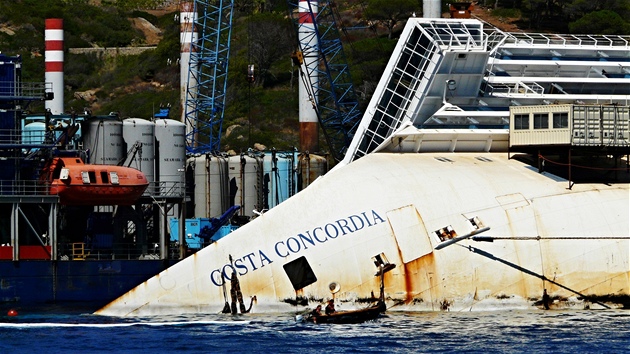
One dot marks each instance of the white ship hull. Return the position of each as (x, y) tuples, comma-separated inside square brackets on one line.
[(572, 242), (416, 169)]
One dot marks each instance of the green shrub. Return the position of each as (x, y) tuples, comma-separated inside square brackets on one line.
[(507, 13)]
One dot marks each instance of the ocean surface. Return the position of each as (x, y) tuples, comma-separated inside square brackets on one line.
[(535, 331)]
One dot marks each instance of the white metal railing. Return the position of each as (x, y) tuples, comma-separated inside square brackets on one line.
[(542, 39), (516, 88)]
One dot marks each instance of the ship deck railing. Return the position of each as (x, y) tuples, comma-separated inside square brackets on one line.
[(11, 90), (23, 188), (515, 88), (36, 188), (165, 189), (585, 40), (79, 251)]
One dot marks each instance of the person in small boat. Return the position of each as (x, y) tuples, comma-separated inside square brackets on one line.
[(317, 311), (330, 308)]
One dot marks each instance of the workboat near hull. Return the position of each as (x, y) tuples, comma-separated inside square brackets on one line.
[(390, 209), (348, 317)]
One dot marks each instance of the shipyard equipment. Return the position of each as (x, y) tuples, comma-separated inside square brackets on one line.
[(207, 73), (332, 92)]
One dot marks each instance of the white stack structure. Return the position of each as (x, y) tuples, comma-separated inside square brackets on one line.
[(309, 136), (188, 36), (431, 9), (53, 57)]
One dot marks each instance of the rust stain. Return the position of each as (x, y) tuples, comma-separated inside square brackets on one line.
[(415, 284)]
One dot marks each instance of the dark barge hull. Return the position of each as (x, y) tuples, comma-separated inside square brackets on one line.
[(88, 284)]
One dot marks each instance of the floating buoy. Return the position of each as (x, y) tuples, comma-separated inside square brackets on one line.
[(12, 313)]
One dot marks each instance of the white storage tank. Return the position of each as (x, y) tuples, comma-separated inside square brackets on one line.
[(310, 167), (170, 156), (142, 132), (279, 177), (245, 183), (102, 138), (211, 185)]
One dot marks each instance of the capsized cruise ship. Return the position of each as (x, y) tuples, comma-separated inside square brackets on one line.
[(490, 167)]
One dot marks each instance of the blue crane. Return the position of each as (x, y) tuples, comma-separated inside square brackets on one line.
[(207, 75), (334, 97)]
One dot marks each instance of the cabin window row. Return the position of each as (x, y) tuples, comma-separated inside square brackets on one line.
[(106, 177), (558, 120)]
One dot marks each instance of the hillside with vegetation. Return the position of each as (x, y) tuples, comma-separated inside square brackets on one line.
[(266, 110)]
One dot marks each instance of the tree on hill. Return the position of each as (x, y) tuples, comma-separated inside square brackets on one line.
[(390, 12), (600, 22)]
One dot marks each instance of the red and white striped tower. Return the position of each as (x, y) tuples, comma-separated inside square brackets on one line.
[(53, 57), (309, 128), (188, 36)]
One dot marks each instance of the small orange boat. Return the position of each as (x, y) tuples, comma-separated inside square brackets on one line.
[(78, 183)]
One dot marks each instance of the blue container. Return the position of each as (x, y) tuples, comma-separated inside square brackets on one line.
[(196, 231), (223, 231), (192, 230)]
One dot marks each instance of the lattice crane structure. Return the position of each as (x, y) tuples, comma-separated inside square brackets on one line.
[(207, 72), (327, 74)]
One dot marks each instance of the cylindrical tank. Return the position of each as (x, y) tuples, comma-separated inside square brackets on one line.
[(34, 130), (245, 183), (140, 134), (210, 185), (279, 177), (309, 168), (170, 156), (103, 140)]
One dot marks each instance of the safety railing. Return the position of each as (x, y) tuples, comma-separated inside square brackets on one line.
[(12, 188)]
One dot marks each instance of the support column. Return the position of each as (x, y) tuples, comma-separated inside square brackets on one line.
[(182, 229), (163, 220), (15, 243), (52, 230)]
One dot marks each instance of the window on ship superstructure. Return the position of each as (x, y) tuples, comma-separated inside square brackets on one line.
[(521, 121), (560, 120), (541, 120)]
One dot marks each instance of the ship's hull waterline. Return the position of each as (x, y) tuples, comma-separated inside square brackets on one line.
[(573, 242)]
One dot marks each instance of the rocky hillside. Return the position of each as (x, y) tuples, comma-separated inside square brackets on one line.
[(101, 77)]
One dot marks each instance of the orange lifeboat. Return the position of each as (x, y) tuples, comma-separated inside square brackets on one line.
[(78, 183)]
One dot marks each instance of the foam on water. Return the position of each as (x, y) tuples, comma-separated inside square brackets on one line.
[(110, 325)]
